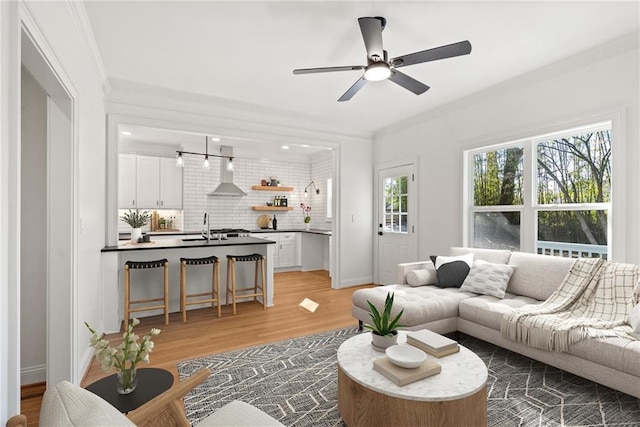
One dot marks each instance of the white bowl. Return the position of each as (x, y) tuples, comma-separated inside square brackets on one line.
[(405, 356)]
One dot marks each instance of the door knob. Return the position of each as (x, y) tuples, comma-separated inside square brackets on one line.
[(380, 233)]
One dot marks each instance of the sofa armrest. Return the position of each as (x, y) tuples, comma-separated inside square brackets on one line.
[(405, 267)]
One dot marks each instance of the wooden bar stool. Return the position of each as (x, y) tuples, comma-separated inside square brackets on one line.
[(231, 286), (213, 296), (127, 288)]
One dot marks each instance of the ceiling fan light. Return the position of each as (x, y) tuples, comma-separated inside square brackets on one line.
[(377, 71)]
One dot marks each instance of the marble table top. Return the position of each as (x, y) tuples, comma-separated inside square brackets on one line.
[(463, 374)]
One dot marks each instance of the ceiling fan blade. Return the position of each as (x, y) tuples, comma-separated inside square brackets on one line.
[(408, 83), (371, 29), (327, 69), (442, 52), (353, 90)]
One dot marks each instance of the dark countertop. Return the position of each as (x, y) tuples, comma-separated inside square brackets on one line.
[(126, 236), (180, 244)]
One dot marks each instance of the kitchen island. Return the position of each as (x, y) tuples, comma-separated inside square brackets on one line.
[(148, 283)]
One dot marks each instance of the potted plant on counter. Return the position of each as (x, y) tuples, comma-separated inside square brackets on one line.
[(136, 220), (305, 213), (383, 328)]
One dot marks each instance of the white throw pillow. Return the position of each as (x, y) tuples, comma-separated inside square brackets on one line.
[(486, 278), (421, 277), (634, 320)]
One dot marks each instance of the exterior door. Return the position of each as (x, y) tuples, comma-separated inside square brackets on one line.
[(396, 216)]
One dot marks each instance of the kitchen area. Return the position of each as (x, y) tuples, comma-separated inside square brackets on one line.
[(276, 203)]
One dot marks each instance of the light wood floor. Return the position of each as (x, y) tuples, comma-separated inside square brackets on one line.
[(205, 333)]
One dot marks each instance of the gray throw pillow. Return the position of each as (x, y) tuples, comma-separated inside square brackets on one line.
[(486, 278), (452, 270)]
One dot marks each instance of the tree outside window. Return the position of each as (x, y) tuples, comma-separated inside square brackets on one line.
[(570, 189)]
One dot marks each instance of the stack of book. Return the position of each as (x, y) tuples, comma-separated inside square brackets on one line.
[(403, 376), (432, 343)]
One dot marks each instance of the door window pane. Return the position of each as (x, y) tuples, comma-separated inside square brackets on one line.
[(498, 177), (396, 204), (496, 230)]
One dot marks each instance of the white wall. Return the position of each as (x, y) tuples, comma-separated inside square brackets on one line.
[(321, 170), (58, 26), (589, 85), (33, 252)]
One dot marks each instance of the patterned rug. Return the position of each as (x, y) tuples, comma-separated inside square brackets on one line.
[(295, 381)]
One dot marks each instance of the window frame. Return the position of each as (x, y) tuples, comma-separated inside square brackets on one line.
[(530, 208)]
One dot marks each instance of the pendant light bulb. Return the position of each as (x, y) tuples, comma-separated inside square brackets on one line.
[(230, 165), (205, 165), (179, 160)]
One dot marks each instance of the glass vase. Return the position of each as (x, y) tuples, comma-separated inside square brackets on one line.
[(126, 380)]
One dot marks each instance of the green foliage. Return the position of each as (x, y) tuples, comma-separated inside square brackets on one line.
[(383, 324), (136, 219)]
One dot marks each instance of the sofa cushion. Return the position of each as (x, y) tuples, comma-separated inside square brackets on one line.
[(634, 320), (537, 276), (66, 404), (421, 304), (239, 414), (487, 278), (452, 271), (617, 353), (487, 311), (421, 277), (498, 256)]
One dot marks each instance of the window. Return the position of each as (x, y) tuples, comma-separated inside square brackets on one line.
[(395, 204), (549, 194)]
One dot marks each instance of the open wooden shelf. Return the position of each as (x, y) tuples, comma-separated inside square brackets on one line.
[(271, 188), (271, 208)]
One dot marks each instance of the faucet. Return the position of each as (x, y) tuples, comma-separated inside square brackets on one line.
[(206, 223)]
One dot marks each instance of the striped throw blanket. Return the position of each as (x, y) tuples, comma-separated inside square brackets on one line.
[(593, 300)]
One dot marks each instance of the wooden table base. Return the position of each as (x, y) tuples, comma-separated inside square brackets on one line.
[(360, 406)]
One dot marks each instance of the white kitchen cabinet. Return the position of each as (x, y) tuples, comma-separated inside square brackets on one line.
[(148, 182), (170, 184), (159, 183), (127, 181), (287, 250)]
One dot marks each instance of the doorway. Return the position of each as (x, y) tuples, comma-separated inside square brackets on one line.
[(396, 213), (47, 236)]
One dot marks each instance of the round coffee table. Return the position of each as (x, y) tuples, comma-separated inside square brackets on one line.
[(457, 396)]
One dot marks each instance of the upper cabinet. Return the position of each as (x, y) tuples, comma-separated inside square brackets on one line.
[(148, 182), (127, 181)]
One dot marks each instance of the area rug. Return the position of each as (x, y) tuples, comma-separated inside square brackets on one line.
[(295, 381)]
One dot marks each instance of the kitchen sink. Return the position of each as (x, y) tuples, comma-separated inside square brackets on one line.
[(199, 239)]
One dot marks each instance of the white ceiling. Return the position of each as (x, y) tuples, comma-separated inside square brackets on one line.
[(246, 51)]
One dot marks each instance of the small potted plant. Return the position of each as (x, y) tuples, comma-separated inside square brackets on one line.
[(305, 213), (136, 220), (383, 328)]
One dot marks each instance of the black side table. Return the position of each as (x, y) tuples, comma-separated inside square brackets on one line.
[(151, 383)]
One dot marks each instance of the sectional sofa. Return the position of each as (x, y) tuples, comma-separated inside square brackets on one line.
[(612, 361)]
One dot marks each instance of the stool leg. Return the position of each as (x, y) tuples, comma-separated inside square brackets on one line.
[(216, 270), (228, 289), (255, 280), (264, 292), (166, 293), (126, 296), (183, 290), (233, 285)]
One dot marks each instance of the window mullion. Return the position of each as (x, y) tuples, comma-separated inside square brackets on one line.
[(529, 221)]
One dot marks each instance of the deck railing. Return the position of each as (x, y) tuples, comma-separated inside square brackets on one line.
[(571, 250)]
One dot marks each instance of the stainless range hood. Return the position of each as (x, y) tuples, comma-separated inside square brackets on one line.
[(226, 187)]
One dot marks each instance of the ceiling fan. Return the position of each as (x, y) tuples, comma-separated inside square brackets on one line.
[(380, 67)]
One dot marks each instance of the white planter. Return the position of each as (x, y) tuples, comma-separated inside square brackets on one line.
[(136, 233), (307, 226), (380, 342)]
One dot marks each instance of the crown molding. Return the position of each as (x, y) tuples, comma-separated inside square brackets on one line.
[(79, 13), (620, 46)]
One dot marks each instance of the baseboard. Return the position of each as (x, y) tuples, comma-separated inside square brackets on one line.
[(33, 374), (356, 282)]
